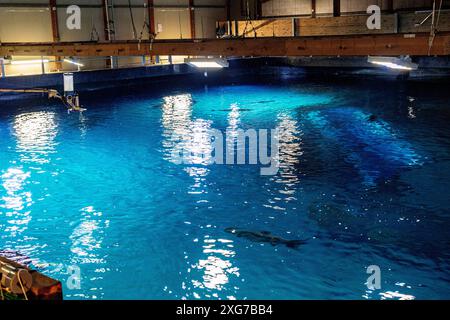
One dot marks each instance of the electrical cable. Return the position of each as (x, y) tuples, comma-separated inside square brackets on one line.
[(132, 20), (248, 21), (94, 33), (439, 14), (434, 25), (143, 28)]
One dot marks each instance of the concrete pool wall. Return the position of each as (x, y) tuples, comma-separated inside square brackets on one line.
[(433, 67)]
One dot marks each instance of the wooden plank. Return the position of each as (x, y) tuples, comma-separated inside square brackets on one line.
[(266, 28), (393, 44), (346, 25), (42, 287)]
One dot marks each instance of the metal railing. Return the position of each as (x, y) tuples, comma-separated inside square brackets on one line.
[(11, 68)]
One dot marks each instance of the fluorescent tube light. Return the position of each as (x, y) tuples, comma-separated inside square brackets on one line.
[(73, 62), (404, 64), (23, 62), (208, 63)]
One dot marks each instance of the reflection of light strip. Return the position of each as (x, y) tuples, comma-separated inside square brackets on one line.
[(21, 62), (208, 63), (393, 63), (73, 62)]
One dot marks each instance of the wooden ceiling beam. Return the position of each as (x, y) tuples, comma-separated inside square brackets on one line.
[(383, 44)]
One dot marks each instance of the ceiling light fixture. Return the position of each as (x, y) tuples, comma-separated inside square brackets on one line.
[(23, 62), (208, 63), (403, 64), (73, 62)]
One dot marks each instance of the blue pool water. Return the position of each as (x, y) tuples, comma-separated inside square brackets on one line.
[(99, 190)]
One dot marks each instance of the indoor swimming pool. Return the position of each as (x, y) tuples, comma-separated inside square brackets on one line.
[(363, 180)]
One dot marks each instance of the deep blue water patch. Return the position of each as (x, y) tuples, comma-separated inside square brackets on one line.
[(99, 191)]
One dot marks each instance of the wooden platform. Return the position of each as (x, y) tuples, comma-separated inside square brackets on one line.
[(43, 288)]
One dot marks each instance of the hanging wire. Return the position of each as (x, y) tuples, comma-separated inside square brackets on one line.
[(203, 34), (434, 25), (94, 33), (248, 21), (179, 23), (132, 20), (145, 25), (439, 14)]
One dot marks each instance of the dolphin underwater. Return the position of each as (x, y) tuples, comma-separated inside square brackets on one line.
[(265, 237)]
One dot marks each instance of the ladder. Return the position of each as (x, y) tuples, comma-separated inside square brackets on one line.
[(108, 7), (110, 21)]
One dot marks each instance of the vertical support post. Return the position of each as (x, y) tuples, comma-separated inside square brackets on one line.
[(229, 23), (228, 7), (2, 67), (294, 27), (192, 18), (151, 22), (258, 9), (42, 65), (54, 17), (336, 8), (313, 8), (390, 6), (170, 60), (106, 24), (151, 19), (107, 29), (55, 31)]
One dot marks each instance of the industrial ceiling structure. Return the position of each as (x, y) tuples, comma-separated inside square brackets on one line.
[(225, 28)]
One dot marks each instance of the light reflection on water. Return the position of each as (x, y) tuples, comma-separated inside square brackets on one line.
[(217, 267), (36, 133), (287, 179), (95, 216), (86, 244)]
